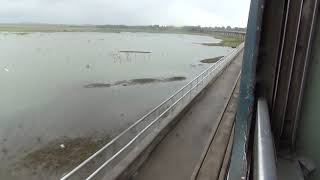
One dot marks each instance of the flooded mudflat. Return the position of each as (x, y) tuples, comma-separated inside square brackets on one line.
[(64, 95), (133, 82)]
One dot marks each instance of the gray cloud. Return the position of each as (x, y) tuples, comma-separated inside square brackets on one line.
[(130, 12)]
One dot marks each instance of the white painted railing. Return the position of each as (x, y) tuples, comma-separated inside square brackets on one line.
[(117, 149)]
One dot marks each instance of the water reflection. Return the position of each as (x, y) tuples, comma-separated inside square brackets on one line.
[(44, 103)]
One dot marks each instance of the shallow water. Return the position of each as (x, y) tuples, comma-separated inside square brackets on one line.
[(45, 99)]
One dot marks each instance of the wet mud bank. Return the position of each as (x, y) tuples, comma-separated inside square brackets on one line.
[(211, 60), (57, 157), (134, 82)]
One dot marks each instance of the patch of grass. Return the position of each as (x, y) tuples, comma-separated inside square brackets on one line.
[(229, 41), (226, 41)]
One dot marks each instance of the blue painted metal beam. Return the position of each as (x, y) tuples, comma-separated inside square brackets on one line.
[(239, 159)]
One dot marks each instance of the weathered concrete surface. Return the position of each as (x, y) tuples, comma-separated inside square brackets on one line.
[(177, 154), (225, 165), (212, 164)]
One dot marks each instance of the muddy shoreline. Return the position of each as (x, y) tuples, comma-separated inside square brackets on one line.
[(211, 60), (134, 82)]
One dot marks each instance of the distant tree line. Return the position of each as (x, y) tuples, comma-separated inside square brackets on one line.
[(216, 28), (168, 28)]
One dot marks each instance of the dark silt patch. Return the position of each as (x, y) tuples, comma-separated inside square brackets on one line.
[(133, 82), (211, 44), (211, 60), (21, 33), (62, 153), (97, 85), (4, 150), (143, 52), (177, 78), (144, 81)]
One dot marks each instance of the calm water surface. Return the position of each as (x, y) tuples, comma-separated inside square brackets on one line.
[(47, 107)]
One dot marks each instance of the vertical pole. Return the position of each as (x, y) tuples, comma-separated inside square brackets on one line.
[(239, 159)]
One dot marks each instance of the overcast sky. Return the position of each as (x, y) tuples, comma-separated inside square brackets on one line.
[(129, 12)]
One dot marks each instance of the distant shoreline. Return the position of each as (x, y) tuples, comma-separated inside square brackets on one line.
[(48, 28)]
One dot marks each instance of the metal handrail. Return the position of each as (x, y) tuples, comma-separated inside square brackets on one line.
[(189, 87), (264, 152)]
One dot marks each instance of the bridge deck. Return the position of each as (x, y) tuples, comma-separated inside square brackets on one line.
[(178, 153)]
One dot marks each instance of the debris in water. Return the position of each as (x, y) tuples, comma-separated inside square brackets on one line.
[(62, 146), (6, 69)]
